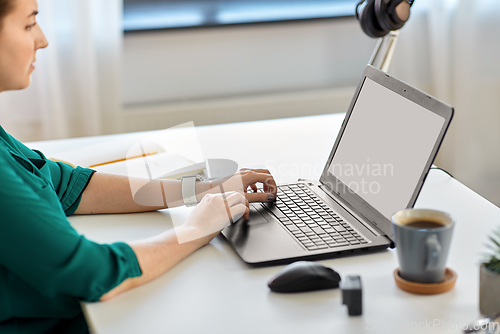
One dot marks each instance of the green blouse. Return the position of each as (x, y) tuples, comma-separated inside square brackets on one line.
[(46, 267)]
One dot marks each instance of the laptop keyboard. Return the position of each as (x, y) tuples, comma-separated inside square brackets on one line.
[(314, 224)]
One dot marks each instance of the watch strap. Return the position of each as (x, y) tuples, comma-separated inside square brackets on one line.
[(189, 189)]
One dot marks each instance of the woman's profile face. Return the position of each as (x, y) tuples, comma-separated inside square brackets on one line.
[(20, 38)]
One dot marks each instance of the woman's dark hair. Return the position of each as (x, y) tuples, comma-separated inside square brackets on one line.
[(5, 8)]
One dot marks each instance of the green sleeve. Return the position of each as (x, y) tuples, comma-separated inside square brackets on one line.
[(39, 245), (68, 182)]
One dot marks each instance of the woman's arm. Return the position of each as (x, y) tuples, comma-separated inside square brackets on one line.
[(109, 193), (156, 256), (159, 254)]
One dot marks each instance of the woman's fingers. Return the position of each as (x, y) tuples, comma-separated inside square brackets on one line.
[(260, 197), (239, 211), (266, 179), (233, 198), (250, 178)]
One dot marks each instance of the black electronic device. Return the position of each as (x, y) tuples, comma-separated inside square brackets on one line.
[(352, 295), (379, 17), (304, 276)]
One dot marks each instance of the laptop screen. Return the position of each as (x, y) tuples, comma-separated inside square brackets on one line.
[(385, 147)]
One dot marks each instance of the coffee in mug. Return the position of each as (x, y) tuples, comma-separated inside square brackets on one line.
[(424, 224)]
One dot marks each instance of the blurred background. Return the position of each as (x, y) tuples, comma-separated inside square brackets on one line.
[(120, 66)]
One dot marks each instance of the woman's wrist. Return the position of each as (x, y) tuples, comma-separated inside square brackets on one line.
[(191, 238)]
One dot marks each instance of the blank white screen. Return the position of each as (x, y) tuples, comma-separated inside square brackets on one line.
[(384, 148)]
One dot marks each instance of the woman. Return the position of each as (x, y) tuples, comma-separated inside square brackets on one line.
[(46, 268)]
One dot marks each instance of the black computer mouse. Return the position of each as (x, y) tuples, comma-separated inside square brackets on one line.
[(304, 276)]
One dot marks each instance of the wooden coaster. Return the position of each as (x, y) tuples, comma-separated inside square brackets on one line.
[(450, 277)]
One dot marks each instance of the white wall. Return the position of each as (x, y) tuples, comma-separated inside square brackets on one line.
[(241, 73)]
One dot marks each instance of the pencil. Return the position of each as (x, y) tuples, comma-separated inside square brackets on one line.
[(125, 159)]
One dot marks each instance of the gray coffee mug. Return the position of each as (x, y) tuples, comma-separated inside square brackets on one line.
[(423, 239)]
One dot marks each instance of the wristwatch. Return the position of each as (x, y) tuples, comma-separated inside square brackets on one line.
[(189, 189)]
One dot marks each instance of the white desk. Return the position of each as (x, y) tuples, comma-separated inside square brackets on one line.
[(213, 291)]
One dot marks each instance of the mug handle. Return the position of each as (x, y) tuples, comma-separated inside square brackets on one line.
[(433, 252)]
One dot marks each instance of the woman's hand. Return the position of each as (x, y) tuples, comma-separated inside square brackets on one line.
[(245, 178), (211, 215)]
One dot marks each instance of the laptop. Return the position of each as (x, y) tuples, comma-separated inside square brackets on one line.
[(379, 162)]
